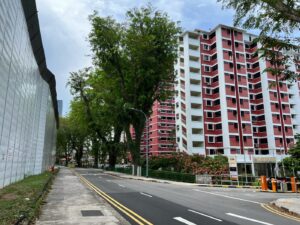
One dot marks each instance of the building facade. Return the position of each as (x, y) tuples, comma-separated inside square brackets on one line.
[(160, 129), (28, 105), (226, 104)]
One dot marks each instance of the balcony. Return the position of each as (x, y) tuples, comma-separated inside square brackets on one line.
[(194, 64), (194, 53), (193, 41)]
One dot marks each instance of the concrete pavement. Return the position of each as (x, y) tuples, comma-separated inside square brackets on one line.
[(71, 202)]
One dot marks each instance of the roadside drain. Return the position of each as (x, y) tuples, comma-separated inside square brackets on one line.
[(91, 213)]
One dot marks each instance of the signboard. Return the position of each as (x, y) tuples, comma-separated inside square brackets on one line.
[(233, 167), (264, 159), (232, 161)]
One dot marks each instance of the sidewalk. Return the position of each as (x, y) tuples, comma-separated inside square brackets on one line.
[(69, 202), (290, 205)]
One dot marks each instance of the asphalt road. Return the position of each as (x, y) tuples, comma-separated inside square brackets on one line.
[(181, 204)]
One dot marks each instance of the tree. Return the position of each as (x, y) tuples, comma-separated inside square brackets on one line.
[(79, 129), (277, 21), (137, 57), (62, 144), (292, 163), (93, 113)]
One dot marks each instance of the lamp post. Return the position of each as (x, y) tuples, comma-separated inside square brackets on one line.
[(147, 148)]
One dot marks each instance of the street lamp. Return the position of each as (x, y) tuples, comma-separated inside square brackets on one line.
[(147, 131)]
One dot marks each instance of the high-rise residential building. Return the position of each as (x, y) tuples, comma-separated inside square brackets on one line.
[(160, 127), (28, 105), (226, 103), (60, 107)]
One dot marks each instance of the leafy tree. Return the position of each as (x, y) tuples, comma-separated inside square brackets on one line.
[(292, 163), (93, 113), (79, 129), (65, 140), (278, 20), (138, 58)]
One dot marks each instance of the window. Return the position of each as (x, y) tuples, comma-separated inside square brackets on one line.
[(210, 127), (233, 100), (210, 139), (231, 76), (229, 43), (205, 36), (206, 47), (242, 113), (206, 57), (241, 101), (231, 65), (235, 125), (207, 80), (232, 88), (208, 91), (219, 126), (240, 89), (206, 68), (236, 44), (245, 138), (209, 114), (237, 138), (208, 102)]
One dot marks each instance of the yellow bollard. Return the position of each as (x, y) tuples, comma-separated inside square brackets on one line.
[(274, 185), (293, 184), (263, 182)]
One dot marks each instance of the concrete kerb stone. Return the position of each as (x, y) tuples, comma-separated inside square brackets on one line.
[(290, 206), (175, 182)]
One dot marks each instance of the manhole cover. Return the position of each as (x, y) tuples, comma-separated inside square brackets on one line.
[(91, 213)]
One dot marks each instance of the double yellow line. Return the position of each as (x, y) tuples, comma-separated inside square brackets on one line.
[(135, 217), (269, 208)]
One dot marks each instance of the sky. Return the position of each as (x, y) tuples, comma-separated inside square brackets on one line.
[(65, 27)]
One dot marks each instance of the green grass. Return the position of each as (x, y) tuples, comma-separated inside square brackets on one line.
[(23, 198)]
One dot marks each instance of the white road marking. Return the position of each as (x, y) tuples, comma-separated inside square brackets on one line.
[(226, 196), (250, 219), (142, 193), (121, 185), (180, 219), (193, 211)]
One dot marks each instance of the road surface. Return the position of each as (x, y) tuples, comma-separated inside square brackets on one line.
[(165, 204)]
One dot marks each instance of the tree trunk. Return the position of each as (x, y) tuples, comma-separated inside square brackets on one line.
[(78, 155), (113, 148), (95, 148)]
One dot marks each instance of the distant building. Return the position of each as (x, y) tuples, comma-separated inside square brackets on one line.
[(60, 107)]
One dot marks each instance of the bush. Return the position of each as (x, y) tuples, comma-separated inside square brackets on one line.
[(175, 176)]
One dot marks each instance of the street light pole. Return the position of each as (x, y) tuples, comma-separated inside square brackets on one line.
[(147, 139)]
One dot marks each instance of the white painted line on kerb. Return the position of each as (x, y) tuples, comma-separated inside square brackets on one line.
[(142, 193), (250, 219), (193, 211), (180, 219), (226, 196), (121, 185)]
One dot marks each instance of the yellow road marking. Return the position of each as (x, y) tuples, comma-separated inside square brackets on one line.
[(118, 205), (270, 209)]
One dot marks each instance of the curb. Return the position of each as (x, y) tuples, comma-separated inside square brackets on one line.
[(180, 183), (282, 211)]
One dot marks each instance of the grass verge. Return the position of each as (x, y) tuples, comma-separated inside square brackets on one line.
[(20, 202)]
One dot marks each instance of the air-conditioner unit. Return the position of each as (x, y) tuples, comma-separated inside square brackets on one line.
[(256, 145)]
